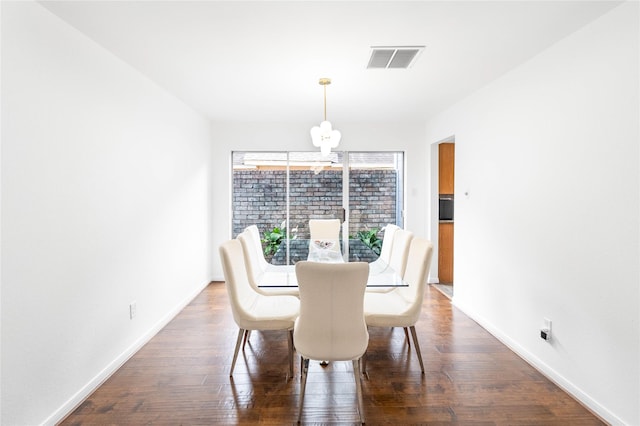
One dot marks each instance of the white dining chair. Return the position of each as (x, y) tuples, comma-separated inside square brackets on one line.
[(256, 272), (324, 229), (400, 250), (324, 240), (402, 306), (382, 262), (252, 310), (331, 324), (387, 243), (256, 240)]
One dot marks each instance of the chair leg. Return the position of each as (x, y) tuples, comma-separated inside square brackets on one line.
[(356, 374), (241, 332), (417, 346), (363, 361), (303, 384), (290, 344), (247, 333), (406, 334), (301, 367)]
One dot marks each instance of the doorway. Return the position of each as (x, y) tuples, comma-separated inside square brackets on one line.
[(446, 216)]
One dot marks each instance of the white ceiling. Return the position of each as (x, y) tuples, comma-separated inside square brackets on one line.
[(261, 60)]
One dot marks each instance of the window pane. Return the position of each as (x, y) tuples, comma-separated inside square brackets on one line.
[(259, 193), (375, 195)]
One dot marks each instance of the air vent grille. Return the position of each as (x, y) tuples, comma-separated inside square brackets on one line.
[(385, 57)]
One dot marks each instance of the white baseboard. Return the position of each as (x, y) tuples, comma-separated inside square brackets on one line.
[(566, 385), (79, 397)]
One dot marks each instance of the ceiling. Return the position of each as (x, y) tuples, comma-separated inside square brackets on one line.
[(261, 60)]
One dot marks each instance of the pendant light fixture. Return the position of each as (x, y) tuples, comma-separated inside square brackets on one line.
[(324, 136)]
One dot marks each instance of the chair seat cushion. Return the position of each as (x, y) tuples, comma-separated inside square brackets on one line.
[(270, 313), (388, 310)]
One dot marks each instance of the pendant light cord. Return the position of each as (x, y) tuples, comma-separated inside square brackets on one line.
[(325, 101)]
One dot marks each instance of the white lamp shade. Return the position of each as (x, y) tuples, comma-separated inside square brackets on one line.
[(335, 138), (325, 127), (325, 137), (316, 138), (325, 150)]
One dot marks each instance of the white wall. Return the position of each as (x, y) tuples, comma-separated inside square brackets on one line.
[(549, 154), (105, 201), (295, 137)]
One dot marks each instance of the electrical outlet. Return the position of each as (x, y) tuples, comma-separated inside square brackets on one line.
[(545, 331), (133, 310)]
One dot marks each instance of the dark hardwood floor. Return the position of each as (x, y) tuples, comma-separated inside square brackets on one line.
[(181, 377)]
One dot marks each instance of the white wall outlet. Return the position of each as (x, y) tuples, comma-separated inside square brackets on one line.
[(133, 310)]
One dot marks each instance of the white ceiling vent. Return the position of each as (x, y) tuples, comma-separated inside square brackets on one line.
[(400, 57)]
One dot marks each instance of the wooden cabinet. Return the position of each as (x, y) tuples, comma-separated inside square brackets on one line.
[(445, 252), (446, 166)]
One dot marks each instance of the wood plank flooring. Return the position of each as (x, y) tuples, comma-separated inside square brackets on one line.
[(181, 377)]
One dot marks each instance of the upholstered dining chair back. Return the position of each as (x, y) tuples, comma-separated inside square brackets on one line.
[(331, 324), (255, 272), (400, 250), (251, 259), (324, 229), (382, 262), (324, 242), (241, 295), (387, 242), (256, 241)]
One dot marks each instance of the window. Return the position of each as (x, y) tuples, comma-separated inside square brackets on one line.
[(284, 190)]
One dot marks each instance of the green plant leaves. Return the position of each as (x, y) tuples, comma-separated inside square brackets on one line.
[(273, 239), (370, 239)]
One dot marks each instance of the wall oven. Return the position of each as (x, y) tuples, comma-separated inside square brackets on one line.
[(445, 211)]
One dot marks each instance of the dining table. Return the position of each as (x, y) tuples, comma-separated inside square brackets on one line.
[(283, 276), (297, 249), (287, 278)]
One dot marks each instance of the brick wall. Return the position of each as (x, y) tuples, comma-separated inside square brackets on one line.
[(259, 197)]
